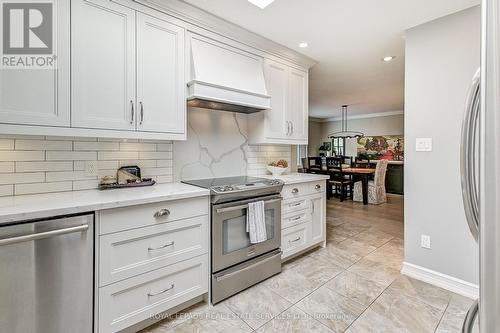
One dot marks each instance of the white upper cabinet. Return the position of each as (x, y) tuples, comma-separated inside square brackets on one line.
[(103, 65), (40, 96), (287, 120), (276, 76), (160, 76), (298, 110)]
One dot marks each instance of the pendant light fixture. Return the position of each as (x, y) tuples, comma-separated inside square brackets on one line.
[(345, 133)]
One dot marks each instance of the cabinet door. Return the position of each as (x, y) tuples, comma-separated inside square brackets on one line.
[(160, 76), (298, 109), (276, 76), (318, 212), (103, 65), (40, 96)]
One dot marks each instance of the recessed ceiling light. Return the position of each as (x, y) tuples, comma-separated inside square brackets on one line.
[(261, 3), (388, 58), (303, 45)]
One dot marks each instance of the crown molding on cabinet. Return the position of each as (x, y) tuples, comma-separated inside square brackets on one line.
[(199, 18)]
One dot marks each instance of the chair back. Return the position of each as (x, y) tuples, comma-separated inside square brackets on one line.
[(305, 163), (361, 162), (380, 171), (347, 160)]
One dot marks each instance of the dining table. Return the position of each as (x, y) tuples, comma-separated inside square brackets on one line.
[(362, 174)]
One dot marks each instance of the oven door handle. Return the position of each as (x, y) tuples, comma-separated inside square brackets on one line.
[(233, 208)]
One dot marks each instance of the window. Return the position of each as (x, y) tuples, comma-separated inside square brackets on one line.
[(301, 153), (338, 146)]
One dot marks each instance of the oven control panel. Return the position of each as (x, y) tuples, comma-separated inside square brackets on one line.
[(247, 186)]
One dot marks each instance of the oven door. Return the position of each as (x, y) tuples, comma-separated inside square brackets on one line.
[(230, 241)]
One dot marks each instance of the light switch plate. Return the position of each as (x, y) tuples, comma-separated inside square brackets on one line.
[(425, 241), (423, 144)]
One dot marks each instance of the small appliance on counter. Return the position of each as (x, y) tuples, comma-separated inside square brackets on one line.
[(127, 176)]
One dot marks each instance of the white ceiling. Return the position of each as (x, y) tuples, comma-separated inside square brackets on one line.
[(348, 38)]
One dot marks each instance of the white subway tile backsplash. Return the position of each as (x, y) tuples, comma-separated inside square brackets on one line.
[(44, 166), (43, 145), (21, 178), (137, 146), (118, 155), (6, 190), (22, 155), (7, 167), (95, 146), (150, 155), (71, 155), (21, 189), (6, 144), (32, 164)]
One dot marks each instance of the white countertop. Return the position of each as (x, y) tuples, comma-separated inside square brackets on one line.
[(27, 207), (295, 178)]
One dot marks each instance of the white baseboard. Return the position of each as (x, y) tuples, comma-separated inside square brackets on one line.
[(441, 280)]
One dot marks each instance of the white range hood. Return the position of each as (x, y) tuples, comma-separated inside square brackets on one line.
[(225, 78)]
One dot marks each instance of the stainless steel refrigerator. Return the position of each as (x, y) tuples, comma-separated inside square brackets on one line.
[(481, 171)]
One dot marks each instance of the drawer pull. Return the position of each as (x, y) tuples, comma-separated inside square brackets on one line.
[(295, 191), (317, 187), (295, 240), (162, 212), (151, 294), (296, 204), (296, 218), (161, 247)]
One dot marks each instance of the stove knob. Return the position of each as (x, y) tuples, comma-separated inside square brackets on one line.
[(219, 189), (229, 188)]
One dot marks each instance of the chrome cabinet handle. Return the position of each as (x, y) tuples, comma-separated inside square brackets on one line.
[(161, 247), (162, 212), (42, 235), (295, 240), (295, 204), (317, 187), (291, 126), (295, 191), (287, 128), (470, 318), (132, 112), (142, 113), (467, 157), (151, 294), (296, 218)]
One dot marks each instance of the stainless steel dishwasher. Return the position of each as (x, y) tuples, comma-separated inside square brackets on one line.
[(46, 275)]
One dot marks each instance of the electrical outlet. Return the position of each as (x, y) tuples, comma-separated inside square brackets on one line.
[(425, 241), (423, 144), (90, 168)]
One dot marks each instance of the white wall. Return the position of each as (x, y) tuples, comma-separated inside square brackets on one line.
[(441, 58), (388, 125)]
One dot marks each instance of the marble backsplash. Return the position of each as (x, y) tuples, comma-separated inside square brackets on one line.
[(217, 146)]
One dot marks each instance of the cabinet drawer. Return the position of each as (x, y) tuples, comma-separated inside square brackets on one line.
[(301, 189), (120, 219), (295, 205), (295, 218), (130, 301), (133, 252), (295, 239)]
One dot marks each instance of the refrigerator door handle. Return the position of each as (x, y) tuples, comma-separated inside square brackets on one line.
[(467, 157), (470, 318)]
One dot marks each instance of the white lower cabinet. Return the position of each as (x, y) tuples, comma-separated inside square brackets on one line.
[(151, 258), (131, 301), (303, 223)]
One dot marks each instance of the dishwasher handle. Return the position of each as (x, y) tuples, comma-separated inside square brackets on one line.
[(42, 235)]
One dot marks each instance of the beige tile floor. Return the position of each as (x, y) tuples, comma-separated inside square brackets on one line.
[(352, 285)]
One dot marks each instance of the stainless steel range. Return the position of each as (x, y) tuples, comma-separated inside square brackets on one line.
[(237, 263)]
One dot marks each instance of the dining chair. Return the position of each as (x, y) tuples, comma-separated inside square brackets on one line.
[(342, 183), (361, 162), (314, 164), (376, 187), (346, 161)]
